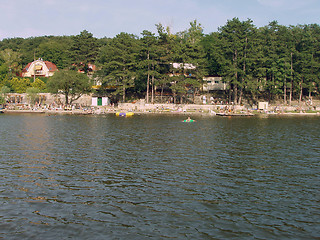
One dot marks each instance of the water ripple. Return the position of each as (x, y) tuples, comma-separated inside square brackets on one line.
[(98, 177)]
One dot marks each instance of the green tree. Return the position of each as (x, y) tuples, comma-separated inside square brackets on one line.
[(57, 51), (4, 91), (166, 54), (12, 61), (188, 70), (275, 42), (19, 85), (2, 100), (84, 50), (306, 66), (212, 54), (235, 37), (254, 67), (152, 62), (33, 94), (71, 83), (196, 57), (3, 75), (29, 49), (148, 58), (118, 61), (39, 84)]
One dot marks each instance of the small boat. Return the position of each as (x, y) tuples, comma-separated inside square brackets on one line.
[(124, 114), (234, 114)]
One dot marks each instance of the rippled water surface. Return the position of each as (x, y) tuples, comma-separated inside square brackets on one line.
[(103, 177)]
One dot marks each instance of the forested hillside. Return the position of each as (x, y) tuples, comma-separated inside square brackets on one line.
[(273, 62)]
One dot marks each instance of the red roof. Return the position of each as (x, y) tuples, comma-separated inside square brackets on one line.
[(26, 68), (51, 66)]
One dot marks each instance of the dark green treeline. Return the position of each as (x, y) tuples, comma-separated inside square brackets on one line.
[(273, 62)]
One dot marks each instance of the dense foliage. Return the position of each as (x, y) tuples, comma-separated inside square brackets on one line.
[(272, 62), (70, 83)]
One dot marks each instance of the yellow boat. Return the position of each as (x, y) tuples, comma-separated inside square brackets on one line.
[(124, 114)]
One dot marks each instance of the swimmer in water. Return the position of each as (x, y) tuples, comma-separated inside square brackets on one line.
[(189, 120)]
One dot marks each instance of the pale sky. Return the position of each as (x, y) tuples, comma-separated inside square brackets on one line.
[(107, 18)]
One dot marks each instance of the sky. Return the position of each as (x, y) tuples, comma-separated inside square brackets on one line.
[(107, 18)]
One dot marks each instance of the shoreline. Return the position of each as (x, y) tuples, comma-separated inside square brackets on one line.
[(183, 113)]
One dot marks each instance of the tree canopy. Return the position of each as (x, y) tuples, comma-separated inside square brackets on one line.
[(272, 62), (71, 83)]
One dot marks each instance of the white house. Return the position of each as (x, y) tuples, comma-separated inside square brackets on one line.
[(39, 68), (214, 83)]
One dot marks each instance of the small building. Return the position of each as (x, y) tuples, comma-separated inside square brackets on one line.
[(89, 68), (188, 66), (214, 83), (100, 101), (39, 68), (263, 105)]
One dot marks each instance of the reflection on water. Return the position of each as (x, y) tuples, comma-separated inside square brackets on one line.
[(100, 177)]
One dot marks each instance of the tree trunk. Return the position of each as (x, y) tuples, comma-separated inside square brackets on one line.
[(310, 92), (291, 85), (235, 93), (285, 91), (300, 94), (240, 96), (312, 72), (66, 97), (148, 81), (152, 91), (235, 87), (244, 71), (194, 96), (161, 93), (124, 94), (230, 94), (273, 86), (152, 85)]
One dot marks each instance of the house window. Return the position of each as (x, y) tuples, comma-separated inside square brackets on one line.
[(216, 81)]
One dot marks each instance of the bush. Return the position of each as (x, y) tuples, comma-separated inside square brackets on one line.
[(32, 93)]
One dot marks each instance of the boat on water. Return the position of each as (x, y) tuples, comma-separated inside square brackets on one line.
[(124, 114), (235, 114)]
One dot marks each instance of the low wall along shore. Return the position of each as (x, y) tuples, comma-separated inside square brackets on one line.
[(209, 107), (20, 103), (47, 98)]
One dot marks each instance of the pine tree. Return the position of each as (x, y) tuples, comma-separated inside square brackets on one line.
[(84, 50), (118, 61)]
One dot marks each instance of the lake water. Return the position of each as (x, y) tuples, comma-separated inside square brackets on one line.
[(105, 177)]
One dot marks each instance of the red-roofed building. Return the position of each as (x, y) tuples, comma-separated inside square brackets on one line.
[(39, 68)]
